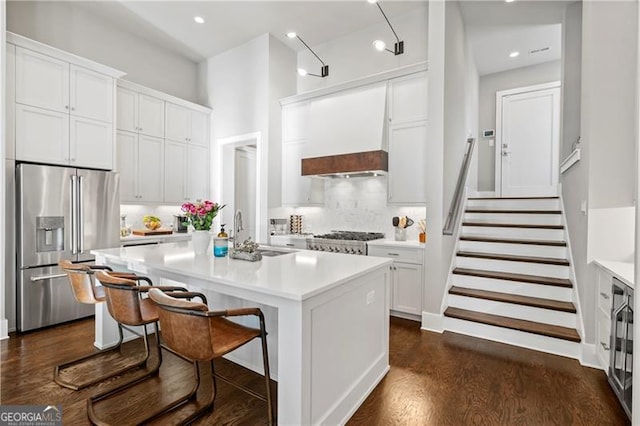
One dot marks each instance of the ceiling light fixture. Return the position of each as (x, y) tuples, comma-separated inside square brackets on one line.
[(514, 54), (199, 19), (509, 1), (324, 71), (398, 47)]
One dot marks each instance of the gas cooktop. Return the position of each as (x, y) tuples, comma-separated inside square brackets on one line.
[(351, 235)]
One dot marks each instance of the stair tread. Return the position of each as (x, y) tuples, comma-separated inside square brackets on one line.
[(514, 258), (511, 225), (508, 211), (555, 331), (510, 276), (515, 299), (513, 198), (513, 241)]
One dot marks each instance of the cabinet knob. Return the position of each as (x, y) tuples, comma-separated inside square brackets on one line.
[(140, 128), (66, 107), (73, 108), (73, 159)]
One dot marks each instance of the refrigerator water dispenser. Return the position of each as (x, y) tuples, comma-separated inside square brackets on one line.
[(49, 233)]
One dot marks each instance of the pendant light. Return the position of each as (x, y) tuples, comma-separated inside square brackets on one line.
[(324, 71), (398, 47)]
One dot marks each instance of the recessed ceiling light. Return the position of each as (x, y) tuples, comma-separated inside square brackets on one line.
[(509, 1), (291, 35), (514, 54), (379, 45), (302, 72), (199, 19), (372, 1)]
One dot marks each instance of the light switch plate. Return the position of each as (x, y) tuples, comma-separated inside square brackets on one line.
[(583, 207), (371, 297), (492, 142)]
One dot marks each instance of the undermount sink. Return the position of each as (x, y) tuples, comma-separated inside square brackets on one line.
[(272, 253)]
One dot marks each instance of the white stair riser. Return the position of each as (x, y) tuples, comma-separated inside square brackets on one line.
[(513, 287), (514, 233), (528, 268), (510, 310), (514, 337), (519, 218), (527, 204), (515, 249)]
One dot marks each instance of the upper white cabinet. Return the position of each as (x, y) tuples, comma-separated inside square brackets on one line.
[(140, 160), (186, 173), (407, 134), (140, 113), (63, 106), (186, 125), (295, 121)]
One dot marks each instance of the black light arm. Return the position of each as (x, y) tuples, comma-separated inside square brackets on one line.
[(399, 45), (324, 71)]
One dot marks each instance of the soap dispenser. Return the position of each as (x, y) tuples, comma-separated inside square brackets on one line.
[(221, 243)]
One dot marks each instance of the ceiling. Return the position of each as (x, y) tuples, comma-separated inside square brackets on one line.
[(231, 23)]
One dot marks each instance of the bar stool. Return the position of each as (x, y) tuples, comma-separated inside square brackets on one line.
[(127, 306), (211, 335), (81, 279)]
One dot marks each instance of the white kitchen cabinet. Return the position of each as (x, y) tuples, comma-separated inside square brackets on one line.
[(407, 154), (63, 106), (291, 241), (407, 99), (186, 125), (603, 317), (407, 272), (298, 190), (295, 121), (186, 173), (140, 113), (140, 163)]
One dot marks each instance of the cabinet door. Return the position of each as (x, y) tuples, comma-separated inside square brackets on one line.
[(408, 98), (150, 169), (150, 116), (298, 190), (198, 173), (90, 143), (407, 288), (42, 135), (295, 121), (127, 165), (91, 94), (177, 122), (175, 172), (407, 152), (127, 110), (199, 129), (41, 81)]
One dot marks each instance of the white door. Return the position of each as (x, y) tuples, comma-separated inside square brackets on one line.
[(90, 143), (41, 80), (245, 189), (529, 138), (151, 116), (177, 122), (150, 169), (127, 165), (175, 172), (91, 94)]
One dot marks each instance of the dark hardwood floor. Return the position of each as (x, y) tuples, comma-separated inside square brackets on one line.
[(435, 379)]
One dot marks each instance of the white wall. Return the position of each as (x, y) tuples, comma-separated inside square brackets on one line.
[(74, 28), (489, 85), (352, 56), (4, 325)]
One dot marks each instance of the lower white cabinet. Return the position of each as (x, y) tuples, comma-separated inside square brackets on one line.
[(603, 318), (140, 163), (292, 241), (407, 272), (298, 190), (186, 172)]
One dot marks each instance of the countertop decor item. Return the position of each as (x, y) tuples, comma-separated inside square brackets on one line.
[(148, 232), (246, 251), (200, 214), (401, 223), (151, 222), (200, 241)]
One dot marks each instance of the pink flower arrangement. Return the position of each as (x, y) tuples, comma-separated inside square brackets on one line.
[(200, 214)]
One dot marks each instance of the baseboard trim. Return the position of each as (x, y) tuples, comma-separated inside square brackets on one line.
[(483, 194), (432, 322), (404, 315), (4, 329), (588, 356)]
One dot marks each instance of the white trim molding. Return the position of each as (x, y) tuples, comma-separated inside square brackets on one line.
[(432, 322), (572, 159)]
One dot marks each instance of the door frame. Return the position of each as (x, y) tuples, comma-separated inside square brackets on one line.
[(498, 145)]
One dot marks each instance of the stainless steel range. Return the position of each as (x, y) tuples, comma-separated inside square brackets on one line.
[(343, 242)]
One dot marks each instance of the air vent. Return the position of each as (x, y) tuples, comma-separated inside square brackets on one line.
[(542, 49)]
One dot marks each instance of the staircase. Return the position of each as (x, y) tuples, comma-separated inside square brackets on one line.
[(511, 279)]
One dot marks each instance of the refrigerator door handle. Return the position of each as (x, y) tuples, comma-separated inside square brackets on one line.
[(81, 215), (47, 277), (74, 212)]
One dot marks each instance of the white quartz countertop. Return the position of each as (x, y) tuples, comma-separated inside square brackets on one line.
[(297, 275), (394, 243), (170, 237), (624, 271)]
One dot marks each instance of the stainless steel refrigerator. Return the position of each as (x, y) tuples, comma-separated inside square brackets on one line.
[(62, 213)]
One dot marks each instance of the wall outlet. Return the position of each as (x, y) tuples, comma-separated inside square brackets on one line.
[(583, 207), (371, 297)]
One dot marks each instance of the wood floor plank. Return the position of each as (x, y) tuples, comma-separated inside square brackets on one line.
[(555, 331), (515, 299), (513, 241), (514, 258), (514, 198), (510, 276), (507, 211), (511, 225)]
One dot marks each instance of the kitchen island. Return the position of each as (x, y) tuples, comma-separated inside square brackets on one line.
[(327, 316)]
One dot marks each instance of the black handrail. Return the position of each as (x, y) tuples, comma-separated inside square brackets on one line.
[(456, 202)]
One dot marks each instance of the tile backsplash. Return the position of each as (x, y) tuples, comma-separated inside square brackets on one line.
[(356, 204), (136, 212)]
